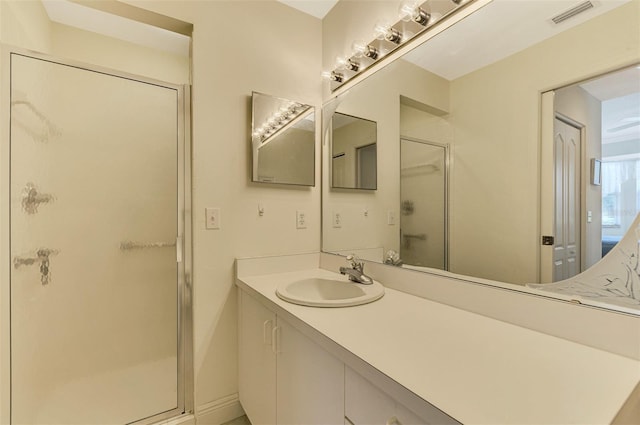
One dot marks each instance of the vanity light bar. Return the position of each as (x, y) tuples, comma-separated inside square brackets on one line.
[(280, 120), (416, 17)]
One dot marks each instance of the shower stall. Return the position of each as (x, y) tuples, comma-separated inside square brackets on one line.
[(95, 251)]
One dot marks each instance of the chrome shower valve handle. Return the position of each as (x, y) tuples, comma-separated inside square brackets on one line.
[(42, 256), (31, 198)]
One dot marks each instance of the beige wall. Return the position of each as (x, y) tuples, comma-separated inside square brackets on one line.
[(238, 47), (25, 24), (96, 49)]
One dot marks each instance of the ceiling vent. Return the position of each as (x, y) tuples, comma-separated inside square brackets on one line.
[(582, 7)]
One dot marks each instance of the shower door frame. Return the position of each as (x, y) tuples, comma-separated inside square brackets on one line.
[(185, 381), (447, 181)]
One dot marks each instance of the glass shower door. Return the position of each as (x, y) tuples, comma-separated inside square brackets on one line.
[(423, 197), (94, 224)]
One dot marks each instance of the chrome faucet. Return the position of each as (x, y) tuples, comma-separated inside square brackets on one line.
[(356, 271)]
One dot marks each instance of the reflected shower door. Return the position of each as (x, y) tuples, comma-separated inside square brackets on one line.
[(423, 197), (94, 224)]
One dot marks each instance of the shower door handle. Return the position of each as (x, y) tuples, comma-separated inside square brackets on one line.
[(178, 250), (129, 245)]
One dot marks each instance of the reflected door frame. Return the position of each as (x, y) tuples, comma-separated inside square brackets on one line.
[(186, 384), (447, 208), (547, 185)]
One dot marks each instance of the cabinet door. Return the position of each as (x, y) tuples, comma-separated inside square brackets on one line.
[(310, 381), (257, 361), (365, 404)]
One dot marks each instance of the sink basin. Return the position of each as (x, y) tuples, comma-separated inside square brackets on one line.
[(321, 292)]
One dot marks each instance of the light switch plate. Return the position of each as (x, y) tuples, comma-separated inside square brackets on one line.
[(212, 220), (336, 219), (391, 218), (301, 220)]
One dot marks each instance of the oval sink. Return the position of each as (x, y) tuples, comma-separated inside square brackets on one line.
[(321, 292)]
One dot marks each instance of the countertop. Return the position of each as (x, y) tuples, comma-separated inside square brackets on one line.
[(476, 369)]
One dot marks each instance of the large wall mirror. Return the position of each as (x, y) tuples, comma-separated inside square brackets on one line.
[(282, 141), (459, 144)]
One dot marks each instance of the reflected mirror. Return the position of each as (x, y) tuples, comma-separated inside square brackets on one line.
[(475, 105), (282, 141), (354, 159)]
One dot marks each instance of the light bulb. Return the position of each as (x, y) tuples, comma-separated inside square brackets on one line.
[(341, 62), (407, 9), (381, 29), (384, 31), (348, 65), (358, 48), (411, 11), (333, 76)]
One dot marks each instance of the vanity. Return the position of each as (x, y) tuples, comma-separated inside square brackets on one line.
[(408, 360), (452, 170)]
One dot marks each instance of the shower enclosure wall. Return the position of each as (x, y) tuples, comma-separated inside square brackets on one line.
[(94, 184)]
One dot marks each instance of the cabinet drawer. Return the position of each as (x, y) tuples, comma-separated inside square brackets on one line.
[(365, 404)]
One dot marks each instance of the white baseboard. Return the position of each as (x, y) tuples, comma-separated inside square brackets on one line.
[(219, 411)]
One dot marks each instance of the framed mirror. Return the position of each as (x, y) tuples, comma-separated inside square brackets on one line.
[(282, 141), (354, 158), (482, 99)]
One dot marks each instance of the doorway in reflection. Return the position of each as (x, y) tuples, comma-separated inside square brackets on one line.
[(423, 203), (609, 184)]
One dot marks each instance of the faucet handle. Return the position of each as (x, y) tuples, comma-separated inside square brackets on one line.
[(355, 262)]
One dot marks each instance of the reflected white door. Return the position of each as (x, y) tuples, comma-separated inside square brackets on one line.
[(94, 222), (567, 157)]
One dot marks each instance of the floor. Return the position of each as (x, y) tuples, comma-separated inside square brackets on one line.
[(242, 420)]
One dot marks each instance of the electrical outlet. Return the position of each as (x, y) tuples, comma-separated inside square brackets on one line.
[(337, 219), (212, 218), (301, 220), (391, 218)]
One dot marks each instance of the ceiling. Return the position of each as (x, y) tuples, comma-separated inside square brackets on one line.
[(91, 19), (317, 8), (620, 96)]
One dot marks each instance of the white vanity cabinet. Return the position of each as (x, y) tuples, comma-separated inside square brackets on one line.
[(284, 377), (365, 404), (257, 360)]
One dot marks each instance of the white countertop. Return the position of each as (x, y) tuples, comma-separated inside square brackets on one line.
[(476, 369)]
